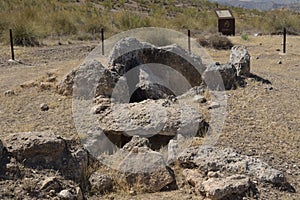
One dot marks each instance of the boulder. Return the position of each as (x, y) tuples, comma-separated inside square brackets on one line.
[(36, 148), (146, 168), (220, 76), (153, 74), (150, 118), (48, 151), (100, 183), (89, 80), (208, 158), (129, 53), (226, 188), (240, 58)]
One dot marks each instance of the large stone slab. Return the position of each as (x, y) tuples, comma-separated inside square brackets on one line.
[(217, 159), (149, 118), (36, 148)]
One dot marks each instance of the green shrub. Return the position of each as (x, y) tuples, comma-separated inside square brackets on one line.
[(245, 37), (24, 34)]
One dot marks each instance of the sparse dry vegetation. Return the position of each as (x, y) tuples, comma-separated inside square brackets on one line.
[(33, 21)]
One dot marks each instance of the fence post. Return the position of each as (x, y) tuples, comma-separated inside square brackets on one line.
[(102, 39), (189, 41), (284, 40), (11, 44)]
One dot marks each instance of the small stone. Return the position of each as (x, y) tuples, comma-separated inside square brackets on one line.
[(257, 57), (199, 99), (213, 105), (132, 192), (279, 62), (9, 93), (44, 107), (212, 174), (51, 184), (52, 193), (79, 195), (277, 49), (65, 194)]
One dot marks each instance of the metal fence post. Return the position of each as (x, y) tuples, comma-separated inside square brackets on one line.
[(189, 41), (284, 40), (11, 45), (102, 39)]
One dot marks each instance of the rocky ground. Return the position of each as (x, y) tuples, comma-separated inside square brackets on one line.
[(262, 122)]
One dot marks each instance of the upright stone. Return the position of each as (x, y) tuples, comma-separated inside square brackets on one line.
[(240, 58)]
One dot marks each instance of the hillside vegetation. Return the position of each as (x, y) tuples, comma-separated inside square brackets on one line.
[(34, 20)]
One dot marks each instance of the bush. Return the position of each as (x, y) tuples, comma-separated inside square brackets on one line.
[(25, 34), (215, 41), (244, 37), (62, 25)]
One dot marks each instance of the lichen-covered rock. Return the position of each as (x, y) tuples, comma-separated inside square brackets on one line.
[(220, 76), (240, 58)]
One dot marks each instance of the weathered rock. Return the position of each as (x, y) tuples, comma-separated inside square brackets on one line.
[(129, 53), (36, 148), (90, 80), (77, 167), (172, 151), (240, 58), (213, 105), (100, 183), (220, 76), (193, 177), (150, 118), (51, 183), (216, 159), (199, 99), (226, 188), (79, 195), (145, 167), (65, 195), (136, 141), (65, 86)]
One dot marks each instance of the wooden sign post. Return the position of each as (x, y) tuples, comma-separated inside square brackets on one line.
[(226, 21)]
